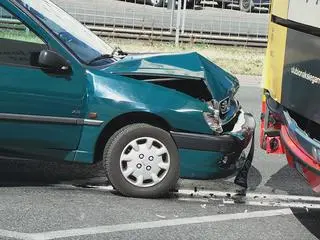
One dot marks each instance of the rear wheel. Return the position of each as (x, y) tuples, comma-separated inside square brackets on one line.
[(221, 4), (142, 161)]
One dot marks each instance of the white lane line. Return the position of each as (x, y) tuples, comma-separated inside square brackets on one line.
[(221, 194), (201, 200), (275, 204), (255, 196), (16, 235), (157, 224), (280, 204), (108, 188), (254, 199), (264, 199)]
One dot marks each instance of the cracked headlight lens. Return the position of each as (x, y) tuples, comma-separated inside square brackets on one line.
[(213, 120)]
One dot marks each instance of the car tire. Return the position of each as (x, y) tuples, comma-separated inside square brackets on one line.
[(142, 161), (221, 5), (156, 3), (190, 4), (246, 5)]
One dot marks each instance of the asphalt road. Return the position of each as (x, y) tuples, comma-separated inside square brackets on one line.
[(70, 201), (61, 213), (130, 15)]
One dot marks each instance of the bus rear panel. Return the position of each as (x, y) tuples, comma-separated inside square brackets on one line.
[(290, 119)]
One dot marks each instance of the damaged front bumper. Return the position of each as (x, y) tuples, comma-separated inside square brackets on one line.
[(302, 152), (229, 145)]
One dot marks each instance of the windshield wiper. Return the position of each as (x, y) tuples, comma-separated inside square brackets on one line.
[(103, 56), (100, 57)]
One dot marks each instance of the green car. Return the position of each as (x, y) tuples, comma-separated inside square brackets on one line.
[(151, 118)]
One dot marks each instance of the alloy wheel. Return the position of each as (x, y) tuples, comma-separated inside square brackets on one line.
[(144, 162)]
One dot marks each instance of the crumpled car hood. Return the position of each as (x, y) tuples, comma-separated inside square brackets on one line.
[(191, 66)]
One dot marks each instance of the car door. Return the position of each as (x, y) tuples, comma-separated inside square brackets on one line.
[(38, 110)]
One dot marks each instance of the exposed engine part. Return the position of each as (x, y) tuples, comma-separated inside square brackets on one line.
[(193, 88)]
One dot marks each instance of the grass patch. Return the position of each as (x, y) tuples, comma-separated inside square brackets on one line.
[(237, 60)]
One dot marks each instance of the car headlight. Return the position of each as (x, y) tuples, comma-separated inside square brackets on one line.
[(213, 121), (213, 117), (225, 105)]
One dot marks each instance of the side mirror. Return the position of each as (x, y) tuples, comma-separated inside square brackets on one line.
[(54, 63)]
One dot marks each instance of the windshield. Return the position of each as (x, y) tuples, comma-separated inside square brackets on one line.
[(85, 44)]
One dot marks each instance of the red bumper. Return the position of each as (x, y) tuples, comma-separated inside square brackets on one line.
[(305, 164)]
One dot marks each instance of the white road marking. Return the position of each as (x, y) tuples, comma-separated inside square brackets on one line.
[(277, 204), (157, 224), (102, 188), (142, 225), (195, 200), (107, 188), (220, 194), (183, 195), (257, 203), (253, 199), (255, 196), (16, 235)]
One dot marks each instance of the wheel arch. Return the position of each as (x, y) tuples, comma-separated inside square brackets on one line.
[(123, 120)]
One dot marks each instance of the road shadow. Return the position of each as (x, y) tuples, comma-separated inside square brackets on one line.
[(41, 173), (309, 219), (288, 180), (221, 184)]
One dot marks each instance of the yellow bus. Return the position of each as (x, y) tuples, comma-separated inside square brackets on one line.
[(290, 119)]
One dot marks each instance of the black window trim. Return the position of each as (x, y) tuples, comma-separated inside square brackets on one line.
[(52, 35), (48, 30)]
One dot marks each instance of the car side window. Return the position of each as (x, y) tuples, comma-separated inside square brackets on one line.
[(18, 44)]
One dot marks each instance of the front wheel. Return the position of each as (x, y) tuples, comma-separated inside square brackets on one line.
[(142, 161), (190, 4), (246, 5), (157, 3)]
